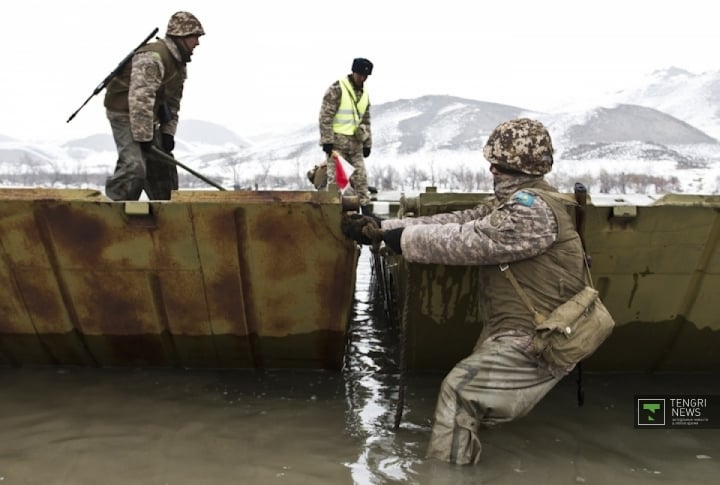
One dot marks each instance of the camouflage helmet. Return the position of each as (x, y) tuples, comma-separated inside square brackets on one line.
[(523, 145), (182, 24)]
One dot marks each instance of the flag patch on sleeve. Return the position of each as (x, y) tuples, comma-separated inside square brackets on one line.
[(525, 198)]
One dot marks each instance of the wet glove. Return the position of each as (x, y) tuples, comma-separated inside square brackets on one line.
[(168, 142), (355, 227), (366, 152), (366, 211), (327, 148), (377, 219), (391, 238)]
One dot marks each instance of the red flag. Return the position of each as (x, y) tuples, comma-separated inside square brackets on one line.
[(343, 171)]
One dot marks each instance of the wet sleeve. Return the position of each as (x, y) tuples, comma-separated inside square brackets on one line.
[(145, 78), (511, 232)]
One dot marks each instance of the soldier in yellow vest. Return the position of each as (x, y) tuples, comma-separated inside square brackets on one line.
[(142, 104), (525, 227), (345, 126)]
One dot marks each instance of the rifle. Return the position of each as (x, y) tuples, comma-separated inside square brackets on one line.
[(114, 73)]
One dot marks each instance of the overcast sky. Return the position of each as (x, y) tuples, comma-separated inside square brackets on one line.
[(264, 66)]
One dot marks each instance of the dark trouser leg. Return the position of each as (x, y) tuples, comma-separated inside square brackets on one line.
[(351, 149), (499, 382), (162, 179), (358, 179), (126, 183)]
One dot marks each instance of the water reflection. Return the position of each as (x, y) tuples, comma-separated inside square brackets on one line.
[(181, 426), (557, 442), (372, 382)]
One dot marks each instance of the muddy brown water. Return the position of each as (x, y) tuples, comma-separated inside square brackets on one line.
[(172, 426)]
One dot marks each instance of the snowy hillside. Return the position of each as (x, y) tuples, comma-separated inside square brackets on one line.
[(648, 139), (693, 98)]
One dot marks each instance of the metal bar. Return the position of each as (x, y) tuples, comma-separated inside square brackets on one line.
[(169, 159)]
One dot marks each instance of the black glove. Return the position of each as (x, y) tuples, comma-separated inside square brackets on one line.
[(354, 227), (391, 238), (327, 148), (366, 152), (378, 220), (168, 142), (368, 213), (145, 146)]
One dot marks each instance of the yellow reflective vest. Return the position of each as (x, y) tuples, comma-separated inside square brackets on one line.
[(351, 111)]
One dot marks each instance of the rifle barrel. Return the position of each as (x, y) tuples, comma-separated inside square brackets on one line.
[(113, 73)]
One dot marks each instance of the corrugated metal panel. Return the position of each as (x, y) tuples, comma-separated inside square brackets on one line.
[(657, 269), (209, 279)]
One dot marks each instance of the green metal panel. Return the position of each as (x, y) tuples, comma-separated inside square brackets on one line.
[(209, 279), (657, 269)]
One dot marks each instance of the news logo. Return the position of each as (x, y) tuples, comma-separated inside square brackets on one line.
[(677, 411), (650, 412)]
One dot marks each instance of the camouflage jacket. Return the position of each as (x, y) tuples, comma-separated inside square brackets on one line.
[(509, 227), (149, 83), (330, 104)]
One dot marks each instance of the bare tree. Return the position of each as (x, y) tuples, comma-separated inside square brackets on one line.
[(462, 178), (432, 171), (55, 173), (262, 178), (483, 181), (384, 177), (233, 160), (414, 175), (606, 182)]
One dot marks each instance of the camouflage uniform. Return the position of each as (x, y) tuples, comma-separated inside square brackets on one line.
[(350, 147), (526, 226), (142, 103)]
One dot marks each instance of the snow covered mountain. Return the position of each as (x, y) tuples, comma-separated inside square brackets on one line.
[(664, 130), (693, 98)]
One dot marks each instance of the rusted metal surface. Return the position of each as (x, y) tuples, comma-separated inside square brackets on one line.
[(209, 279), (657, 269)]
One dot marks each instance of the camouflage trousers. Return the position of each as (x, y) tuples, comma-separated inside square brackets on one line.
[(135, 170), (351, 150), (501, 380)]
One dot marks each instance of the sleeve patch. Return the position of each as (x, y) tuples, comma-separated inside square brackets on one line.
[(497, 217), (525, 198)]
